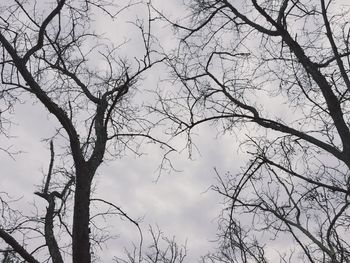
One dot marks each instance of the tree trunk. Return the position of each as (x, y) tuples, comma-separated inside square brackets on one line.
[(81, 230), (49, 231)]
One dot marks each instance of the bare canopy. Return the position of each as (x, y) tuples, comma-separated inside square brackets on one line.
[(276, 75), (49, 51)]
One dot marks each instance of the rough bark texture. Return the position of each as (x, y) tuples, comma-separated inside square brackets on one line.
[(81, 231), (49, 232)]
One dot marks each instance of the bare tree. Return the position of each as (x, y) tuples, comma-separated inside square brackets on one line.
[(51, 55), (277, 71), (161, 250)]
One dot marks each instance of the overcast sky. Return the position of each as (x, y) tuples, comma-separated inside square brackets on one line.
[(178, 203)]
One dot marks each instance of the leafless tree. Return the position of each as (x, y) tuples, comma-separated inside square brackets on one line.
[(51, 55), (161, 250), (278, 72)]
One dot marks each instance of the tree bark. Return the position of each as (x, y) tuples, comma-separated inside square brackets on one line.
[(81, 218), (51, 242)]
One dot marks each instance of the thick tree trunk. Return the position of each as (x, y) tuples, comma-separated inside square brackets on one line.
[(81, 230)]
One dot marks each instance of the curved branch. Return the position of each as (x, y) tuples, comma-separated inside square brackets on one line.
[(337, 56), (51, 106), (40, 42), (17, 247)]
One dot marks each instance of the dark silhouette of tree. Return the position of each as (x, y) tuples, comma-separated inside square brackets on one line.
[(277, 71), (51, 55), (161, 250)]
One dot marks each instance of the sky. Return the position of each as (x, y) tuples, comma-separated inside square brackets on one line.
[(179, 203)]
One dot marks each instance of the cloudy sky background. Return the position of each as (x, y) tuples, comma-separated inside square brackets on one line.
[(178, 203)]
